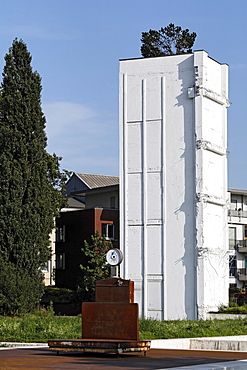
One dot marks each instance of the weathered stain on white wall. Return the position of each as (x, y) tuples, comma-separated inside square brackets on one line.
[(173, 183)]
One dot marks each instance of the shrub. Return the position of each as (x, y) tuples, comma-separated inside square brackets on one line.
[(96, 267), (233, 308), (61, 294), (233, 304)]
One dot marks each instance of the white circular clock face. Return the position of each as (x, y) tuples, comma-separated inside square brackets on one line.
[(114, 256)]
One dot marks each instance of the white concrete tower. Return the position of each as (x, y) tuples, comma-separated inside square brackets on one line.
[(173, 183)]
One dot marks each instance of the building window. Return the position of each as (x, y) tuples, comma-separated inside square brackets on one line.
[(108, 231), (245, 231), (234, 204), (232, 237), (232, 266), (60, 233), (60, 261), (112, 202)]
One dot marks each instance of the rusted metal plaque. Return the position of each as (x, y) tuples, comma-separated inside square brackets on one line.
[(114, 290), (110, 321)]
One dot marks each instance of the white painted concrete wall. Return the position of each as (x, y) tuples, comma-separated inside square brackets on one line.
[(173, 183)]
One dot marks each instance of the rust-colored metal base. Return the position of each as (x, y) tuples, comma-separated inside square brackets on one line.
[(114, 289), (110, 321), (99, 345)]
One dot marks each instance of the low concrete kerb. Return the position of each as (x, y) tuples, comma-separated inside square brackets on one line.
[(230, 343), (11, 345)]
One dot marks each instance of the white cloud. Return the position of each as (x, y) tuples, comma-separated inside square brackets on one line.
[(87, 140), (60, 116)]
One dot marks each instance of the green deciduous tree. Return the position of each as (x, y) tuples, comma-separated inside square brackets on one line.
[(96, 267), (20, 290), (167, 41), (31, 182)]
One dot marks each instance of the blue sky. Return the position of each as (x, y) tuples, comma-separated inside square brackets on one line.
[(76, 46)]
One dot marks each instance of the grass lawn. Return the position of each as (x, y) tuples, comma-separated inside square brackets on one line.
[(41, 328), (34, 328), (152, 329)]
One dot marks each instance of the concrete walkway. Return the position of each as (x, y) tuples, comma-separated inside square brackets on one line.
[(231, 365), (184, 354), (156, 359)]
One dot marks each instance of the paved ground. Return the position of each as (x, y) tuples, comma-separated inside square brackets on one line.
[(43, 358)]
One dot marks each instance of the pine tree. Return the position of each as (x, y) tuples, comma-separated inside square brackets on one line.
[(168, 40), (31, 183)]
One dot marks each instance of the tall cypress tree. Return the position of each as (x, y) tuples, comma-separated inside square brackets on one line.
[(31, 183)]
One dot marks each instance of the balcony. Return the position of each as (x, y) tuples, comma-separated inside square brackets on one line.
[(237, 213), (242, 274), (242, 246)]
